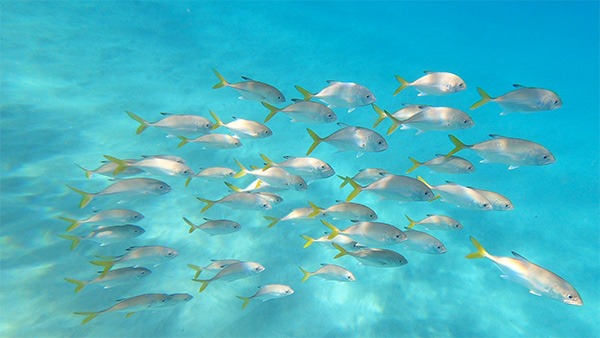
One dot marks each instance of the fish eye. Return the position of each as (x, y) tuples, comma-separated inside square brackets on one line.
[(397, 235), (264, 205), (439, 247), (506, 205), (322, 167), (257, 269), (379, 142), (371, 216), (469, 167), (570, 296), (485, 205), (164, 300), (328, 115), (545, 157), (427, 193), (456, 226), (266, 131), (161, 187), (466, 121), (135, 217), (207, 125), (461, 85), (555, 101), (368, 96)]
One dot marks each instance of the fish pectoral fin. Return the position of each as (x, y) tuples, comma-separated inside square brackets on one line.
[(129, 314), (535, 293), (351, 110), (359, 155), (513, 167), (485, 161)]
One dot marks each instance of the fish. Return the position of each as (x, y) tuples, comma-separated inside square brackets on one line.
[(342, 95), (272, 198), (394, 187), (539, 281), (275, 176), (523, 100), (344, 241), (233, 272), (423, 242), (351, 138), (243, 128), (137, 255), (115, 277), (366, 176), (215, 227), (217, 173), (345, 211), (434, 83), (499, 202), (213, 141), (296, 216), (167, 157), (239, 200), (330, 272), (107, 235), (436, 222), (460, 196), (252, 90), (309, 168), (506, 150), (106, 217), (216, 265), (176, 125), (108, 169), (128, 187), (380, 258), (432, 119), (153, 165), (445, 165), (303, 111), (370, 233), (401, 114), (150, 301), (267, 292)]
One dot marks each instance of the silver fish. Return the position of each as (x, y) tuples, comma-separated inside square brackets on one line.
[(366, 176), (176, 125), (346, 211), (213, 141), (129, 187), (436, 222), (330, 272), (303, 111), (267, 292), (107, 235), (342, 95), (344, 241), (216, 265), (137, 255), (108, 169), (167, 157), (370, 233), (243, 128), (106, 217), (433, 118), (153, 165), (309, 168), (252, 90), (394, 187), (499, 202), (239, 200), (380, 258), (217, 173), (401, 114), (422, 242), (275, 176), (351, 138), (296, 216), (523, 99), (434, 83), (115, 277), (233, 272), (215, 227), (460, 196), (445, 165)]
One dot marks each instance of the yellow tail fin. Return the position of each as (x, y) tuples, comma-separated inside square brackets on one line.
[(233, 187), (243, 171), (88, 173), (403, 84), (208, 205), (356, 191), (415, 166), (192, 225), (75, 223), (316, 140), (76, 240), (345, 179), (306, 275), (268, 161), (204, 284), (121, 165), (274, 110), (412, 223), (90, 316), (197, 268), (480, 250), (143, 123), (395, 122), (222, 82), (423, 181), (316, 209), (274, 220), (381, 115), (305, 93), (343, 251), (309, 241), (80, 284), (87, 197), (245, 299), (458, 145), (485, 98), (218, 122), (334, 231), (184, 141), (107, 265)]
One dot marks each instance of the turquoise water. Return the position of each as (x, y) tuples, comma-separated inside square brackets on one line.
[(70, 70)]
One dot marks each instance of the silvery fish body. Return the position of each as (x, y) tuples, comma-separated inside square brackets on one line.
[(214, 141), (434, 83), (177, 125), (445, 165), (252, 90), (400, 188), (215, 227), (240, 200), (351, 212), (233, 272), (158, 166), (462, 196), (380, 258), (108, 169), (107, 217), (523, 100), (215, 173), (371, 233), (343, 241), (167, 157), (277, 177), (136, 186), (268, 292), (436, 222), (330, 272), (499, 202), (243, 128), (423, 242), (351, 138), (113, 278), (342, 95), (370, 175), (434, 118), (144, 255), (114, 234), (309, 168), (304, 111)]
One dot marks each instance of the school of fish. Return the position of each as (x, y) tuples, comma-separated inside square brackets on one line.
[(366, 238)]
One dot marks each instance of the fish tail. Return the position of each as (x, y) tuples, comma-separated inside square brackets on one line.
[(309, 241), (75, 223), (76, 240), (245, 299), (415, 166), (381, 115), (107, 265), (485, 98), (90, 316), (243, 171), (356, 191), (269, 162), (345, 179), (412, 223), (233, 187), (184, 141), (187, 182), (204, 284), (316, 209), (395, 122), (208, 205), (274, 220), (80, 284), (197, 269), (480, 250), (192, 225), (316, 140), (306, 93), (343, 251), (218, 122), (403, 84), (334, 231), (458, 145), (88, 173), (222, 82), (129, 314), (87, 197), (274, 110), (121, 165), (423, 181), (143, 123), (306, 275)]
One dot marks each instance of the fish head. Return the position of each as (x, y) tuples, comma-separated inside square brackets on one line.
[(142, 272), (274, 96), (465, 122), (349, 277), (571, 296), (505, 205), (170, 253), (436, 247), (550, 101), (135, 217), (397, 236), (468, 168), (456, 226), (297, 183), (264, 132), (324, 169), (185, 172), (132, 230), (422, 193), (180, 297), (288, 291), (364, 96), (373, 143), (204, 126), (159, 188), (236, 143), (542, 156), (484, 205), (327, 115), (255, 267), (455, 85)]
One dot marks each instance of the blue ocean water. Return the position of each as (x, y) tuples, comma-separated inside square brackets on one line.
[(69, 70)]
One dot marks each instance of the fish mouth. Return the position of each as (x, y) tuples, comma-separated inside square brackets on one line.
[(577, 302)]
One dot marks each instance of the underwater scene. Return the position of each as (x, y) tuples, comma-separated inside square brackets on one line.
[(299, 169)]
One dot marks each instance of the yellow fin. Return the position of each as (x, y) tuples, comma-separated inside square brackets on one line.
[(381, 115), (306, 275), (316, 209), (197, 268), (75, 223), (480, 250), (192, 225), (415, 166), (218, 122), (273, 220), (423, 181), (204, 284), (243, 171), (458, 145), (106, 264), (395, 122), (245, 299), (80, 284), (90, 316), (233, 187), (129, 314), (187, 182), (356, 191), (184, 141), (403, 84), (317, 140), (334, 231), (208, 205), (309, 241), (88, 173), (343, 251), (76, 240), (269, 162), (222, 82), (121, 165), (307, 95), (485, 98), (143, 123), (412, 223), (345, 179), (274, 110), (87, 197)]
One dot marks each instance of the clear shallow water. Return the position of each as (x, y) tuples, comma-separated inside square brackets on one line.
[(69, 70)]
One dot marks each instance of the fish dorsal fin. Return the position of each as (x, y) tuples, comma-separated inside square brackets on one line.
[(429, 215), (443, 155), (332, 81), (519, 256), (496, 136), (324, 264), (297, 100), (288, 157), (451, 183), (120, 299), (428, 72), (343, 125), (516, 85), (233, 117), (247, 78), (131, 248), (206, 219), (166, 114), (339, 201), (261, 286)]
